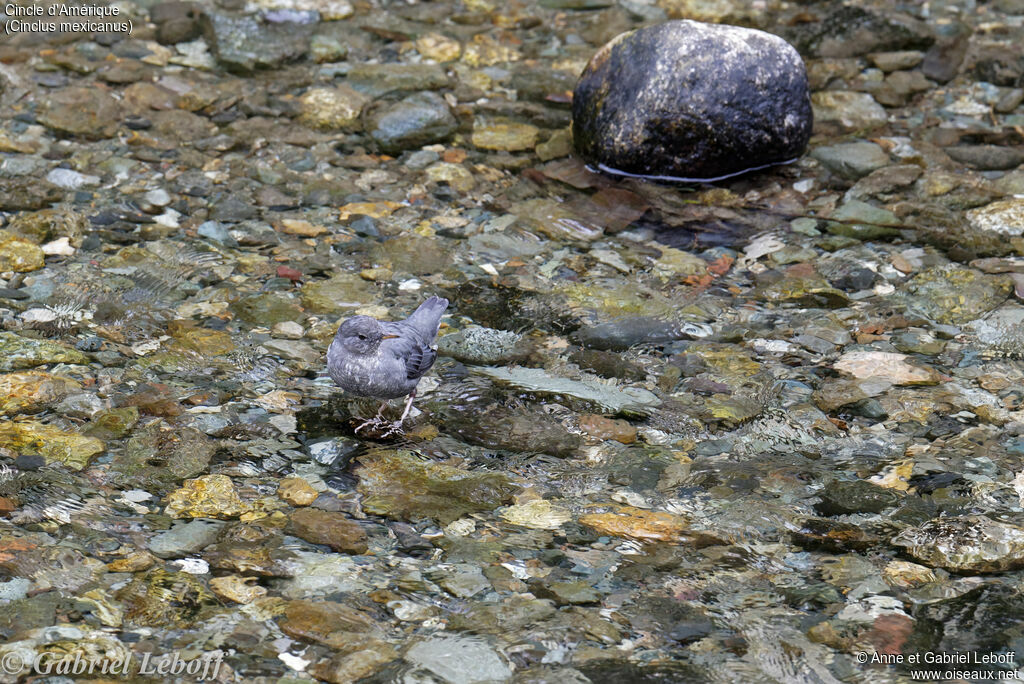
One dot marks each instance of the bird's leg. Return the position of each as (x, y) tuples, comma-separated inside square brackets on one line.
[(376, 421), (396, 427)]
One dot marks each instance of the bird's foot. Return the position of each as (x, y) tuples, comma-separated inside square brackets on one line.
[(394, 428), (373, 424)]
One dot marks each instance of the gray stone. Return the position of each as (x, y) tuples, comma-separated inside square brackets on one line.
[(416, 120), (244, 43), (185, 538), (987, 157), (459, 659), (852, 160)]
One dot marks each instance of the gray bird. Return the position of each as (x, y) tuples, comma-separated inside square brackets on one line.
[(384, 359)]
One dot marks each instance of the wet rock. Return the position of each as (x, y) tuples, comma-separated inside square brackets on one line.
[(332, 109), (863, 221), (332, 624), (459, 659), (244, 44), (830, 535), (400, 486), (32, 391), (356, 663), (47, 225), (969, 544), (578, 592), (19, 254), (18, 352), (267, 309), (185, 538), (90, 113), (375, 80), (412, 122), (238, 589), (889, 366), (842, 498), (847, 111), (504, 135), (611, 399), (1004, 218), (623, 333), (112, 423), (297, 491), (209, 496), (27, 194), (608, 364), (852, 160), (481, 346), (175, 21), (32, 438), (987, 157), (525, 431), (339, 294), (636, 523), (688, 101), (606, 428), (331, 529), (956, 295), (538, 514)]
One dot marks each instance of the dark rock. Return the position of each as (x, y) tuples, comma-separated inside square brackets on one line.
[(622, 333), (859, 496), (685, 100), (414, 121), (854, 280), (607, 364), (830, 535)]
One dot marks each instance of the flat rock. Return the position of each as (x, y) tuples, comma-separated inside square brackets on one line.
[(889, 366), (852, 160), (90, 113)]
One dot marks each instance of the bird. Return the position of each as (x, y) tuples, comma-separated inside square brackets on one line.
[(385, 359)]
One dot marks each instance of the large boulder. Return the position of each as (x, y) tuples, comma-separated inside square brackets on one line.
[(690, 101)]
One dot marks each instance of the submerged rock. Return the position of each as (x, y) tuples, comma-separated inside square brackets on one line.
[(32, 391), (55, 445), (401, 486), (971, 544), (689, 101)]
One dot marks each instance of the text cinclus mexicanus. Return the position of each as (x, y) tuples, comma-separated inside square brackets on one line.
[(384, 359)]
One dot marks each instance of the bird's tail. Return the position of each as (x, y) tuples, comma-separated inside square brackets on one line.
[(428, 316)]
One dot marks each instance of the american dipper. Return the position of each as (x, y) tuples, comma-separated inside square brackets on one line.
[(384, 359)]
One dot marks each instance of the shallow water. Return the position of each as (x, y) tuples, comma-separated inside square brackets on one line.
[(764, 430)]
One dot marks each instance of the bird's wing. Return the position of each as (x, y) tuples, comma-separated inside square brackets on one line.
[(418, 360), (410, 348)]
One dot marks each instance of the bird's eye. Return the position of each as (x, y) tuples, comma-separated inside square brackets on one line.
[(362, 337)]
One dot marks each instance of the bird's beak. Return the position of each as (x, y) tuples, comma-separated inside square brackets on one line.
[(390, 337)]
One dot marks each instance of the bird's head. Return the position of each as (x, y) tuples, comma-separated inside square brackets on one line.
[(361, 335)]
